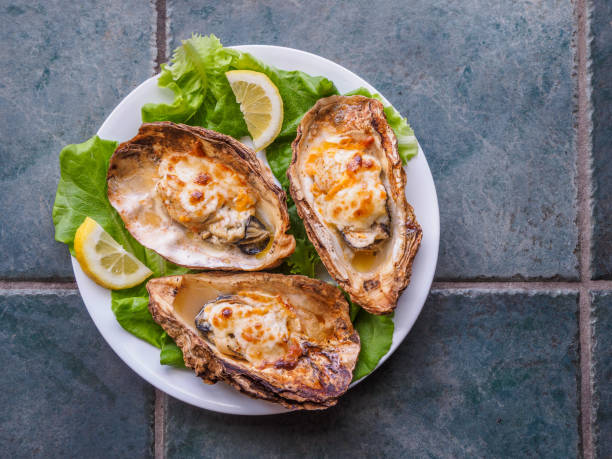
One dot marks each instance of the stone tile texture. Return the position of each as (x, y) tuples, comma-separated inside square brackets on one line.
[(63, 392), (488, 90), (601, 68), (602, 358), (480, 375), (63, 68)]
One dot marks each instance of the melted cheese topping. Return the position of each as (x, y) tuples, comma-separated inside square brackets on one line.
[(205, 196), (255, 326), (347, 187)]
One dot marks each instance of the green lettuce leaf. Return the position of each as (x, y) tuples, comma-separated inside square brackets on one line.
[(353, 309), (170, 353), (131, 309), (407, 145), (376, 335), (198, 67), (299, 92), (305, 259), (203, 97), (81, 193)]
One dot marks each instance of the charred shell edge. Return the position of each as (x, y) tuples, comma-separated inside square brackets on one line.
[(202, 360), (283, 244), (414, 233)]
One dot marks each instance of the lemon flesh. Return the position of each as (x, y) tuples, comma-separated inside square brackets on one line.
[(260, 104), (104, 260)]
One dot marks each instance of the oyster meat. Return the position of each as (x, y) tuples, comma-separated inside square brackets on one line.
[(199, 198), (285, 339), (347, 180)]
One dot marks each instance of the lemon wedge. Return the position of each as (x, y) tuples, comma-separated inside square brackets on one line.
[(260, 104), (104, 260)]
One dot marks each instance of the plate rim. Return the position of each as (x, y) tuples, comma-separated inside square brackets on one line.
[(143, 369)]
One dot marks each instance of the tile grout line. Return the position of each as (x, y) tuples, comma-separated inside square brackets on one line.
[(520, 285), (584, 189), (37, 286), (501, 286), (160, 34), (160, 424), (161, 37), (584, 225), (586, 380)]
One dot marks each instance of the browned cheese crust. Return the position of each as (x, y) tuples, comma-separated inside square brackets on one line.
[(133, 166), (376, 291), (322, 373)]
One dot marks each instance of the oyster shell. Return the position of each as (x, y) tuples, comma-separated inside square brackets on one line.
[(347, 180), (199, 198), (285, 339)]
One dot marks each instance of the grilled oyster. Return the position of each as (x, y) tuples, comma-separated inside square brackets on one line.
[(199, 198), (285, 339), (347, 181)]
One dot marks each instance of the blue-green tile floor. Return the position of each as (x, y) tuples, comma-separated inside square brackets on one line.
[(511, 355)]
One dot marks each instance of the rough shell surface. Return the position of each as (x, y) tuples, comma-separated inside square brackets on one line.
[(131, 180), (323, 372), (376, 291)]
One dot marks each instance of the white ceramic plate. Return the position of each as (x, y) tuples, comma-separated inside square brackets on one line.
[(143, 358)]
